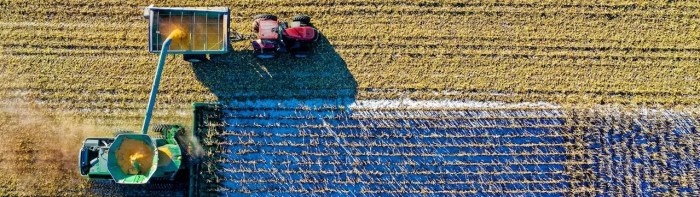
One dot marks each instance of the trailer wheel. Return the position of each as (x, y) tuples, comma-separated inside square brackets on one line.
[(216, 56), (303, 19), (195, 58)]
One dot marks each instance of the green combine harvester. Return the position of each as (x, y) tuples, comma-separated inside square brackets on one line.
[(131, 158), (99, 159)]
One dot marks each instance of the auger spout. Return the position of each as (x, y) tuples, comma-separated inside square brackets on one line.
[(176, 34)]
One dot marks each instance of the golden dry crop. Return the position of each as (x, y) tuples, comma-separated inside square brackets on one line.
[(87, 61)]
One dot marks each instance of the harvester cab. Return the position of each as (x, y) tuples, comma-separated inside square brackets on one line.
[(273, 37), (131, 158)]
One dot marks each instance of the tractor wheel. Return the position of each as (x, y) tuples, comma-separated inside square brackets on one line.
[(195, 58), (317, 35), (303, 19), (265, 16), (260, 54), (261, 16)]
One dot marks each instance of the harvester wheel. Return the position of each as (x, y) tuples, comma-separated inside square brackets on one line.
[(195, 58), (303, 19)]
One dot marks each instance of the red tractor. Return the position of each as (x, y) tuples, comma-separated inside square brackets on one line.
[(279, 37)]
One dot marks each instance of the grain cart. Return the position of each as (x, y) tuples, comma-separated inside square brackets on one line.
[(275, 37), (206, 30), (131, 158)]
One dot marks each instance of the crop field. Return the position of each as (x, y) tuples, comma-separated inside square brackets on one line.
[(277, 148), (312, 147), (434, 97)]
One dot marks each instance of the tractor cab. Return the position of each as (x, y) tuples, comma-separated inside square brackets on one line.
[(300, 39)]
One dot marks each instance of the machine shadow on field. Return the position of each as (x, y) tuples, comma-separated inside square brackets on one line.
[(268, 92), (239, 76)]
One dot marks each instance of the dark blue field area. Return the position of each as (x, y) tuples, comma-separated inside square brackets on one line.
[(364, 151), (647, 156)]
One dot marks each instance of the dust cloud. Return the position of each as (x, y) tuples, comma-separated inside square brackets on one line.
[(35, 143)]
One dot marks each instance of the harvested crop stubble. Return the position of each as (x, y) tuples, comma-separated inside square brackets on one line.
[(629, 52), (133, 153)]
